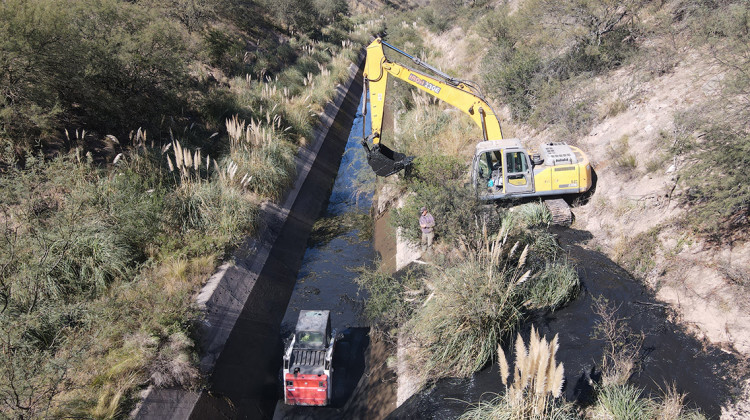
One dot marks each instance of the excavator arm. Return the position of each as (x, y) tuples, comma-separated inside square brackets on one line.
[(461, 94)]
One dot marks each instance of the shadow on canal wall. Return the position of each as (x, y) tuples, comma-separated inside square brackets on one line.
[(669, 355), (244, 303)]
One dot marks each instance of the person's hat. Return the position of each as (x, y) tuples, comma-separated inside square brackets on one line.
[(424, 209)]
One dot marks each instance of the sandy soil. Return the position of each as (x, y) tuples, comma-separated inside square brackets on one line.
[(698, 279)]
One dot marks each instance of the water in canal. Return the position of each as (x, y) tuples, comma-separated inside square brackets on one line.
[(341, 242)]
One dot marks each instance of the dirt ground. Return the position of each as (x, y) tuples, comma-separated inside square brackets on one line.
[(698, 279)]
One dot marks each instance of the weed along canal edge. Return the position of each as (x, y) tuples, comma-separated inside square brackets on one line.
[(667, 355), (244, 302)]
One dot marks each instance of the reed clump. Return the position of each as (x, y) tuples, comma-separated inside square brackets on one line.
[(536, 389), (470, 304)]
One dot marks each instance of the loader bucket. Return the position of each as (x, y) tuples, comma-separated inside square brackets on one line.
[(386, 162)]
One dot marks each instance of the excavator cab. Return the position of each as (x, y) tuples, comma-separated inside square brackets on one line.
[(384, 161)]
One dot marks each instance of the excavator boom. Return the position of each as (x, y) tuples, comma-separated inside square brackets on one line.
[(461, 94)]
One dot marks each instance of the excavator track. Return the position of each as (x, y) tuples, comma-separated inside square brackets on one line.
[(561, 214)]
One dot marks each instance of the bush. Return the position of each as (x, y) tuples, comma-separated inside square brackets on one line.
[(557, 284), (61, 246), (387, 301), (717, 190), (516, 75), (109, 80), (455, 208), (438, 169), (622, 402)]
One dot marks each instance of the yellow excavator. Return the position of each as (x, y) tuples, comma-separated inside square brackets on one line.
[(501, 168)]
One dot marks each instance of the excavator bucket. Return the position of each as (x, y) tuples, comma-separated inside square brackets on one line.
[(386, 162)]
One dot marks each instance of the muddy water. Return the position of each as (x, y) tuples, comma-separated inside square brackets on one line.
[(340, 243), (669, 355)]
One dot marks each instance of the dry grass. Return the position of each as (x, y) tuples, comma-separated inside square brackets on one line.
[(535, 377), (622, 346), (536, 388), (619, 152)]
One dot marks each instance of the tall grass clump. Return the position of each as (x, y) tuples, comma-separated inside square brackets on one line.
[(534, 214), (622, 402), (475, 302), (466, 315), (391, 298), (262, 155), (557, 284), (536, 390)]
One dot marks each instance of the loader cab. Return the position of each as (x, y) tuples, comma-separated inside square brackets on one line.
[(502, 168), (313, 330)]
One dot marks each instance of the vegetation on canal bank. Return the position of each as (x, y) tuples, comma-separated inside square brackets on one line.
[(493, 269), (108, 230)]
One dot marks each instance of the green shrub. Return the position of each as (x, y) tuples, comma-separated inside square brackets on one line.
[(715, 186), (109, 81), (622, 402), (387, 302), (438, 169), (515, 73), (556, 285), (223, 49), (455, 208), (401, 33), (331, 11), (534, 214)]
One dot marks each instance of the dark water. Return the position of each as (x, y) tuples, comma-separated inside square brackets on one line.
[(668, 355), (326, 278)]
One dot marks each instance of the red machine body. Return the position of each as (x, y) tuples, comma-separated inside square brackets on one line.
[(308, 360), (306, 389)]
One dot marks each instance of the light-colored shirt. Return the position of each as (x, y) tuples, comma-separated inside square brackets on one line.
[(426, 222)]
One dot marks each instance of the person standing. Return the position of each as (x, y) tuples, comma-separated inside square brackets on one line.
[(427, 224)]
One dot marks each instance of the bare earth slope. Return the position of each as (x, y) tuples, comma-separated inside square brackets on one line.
[(700, 281)]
